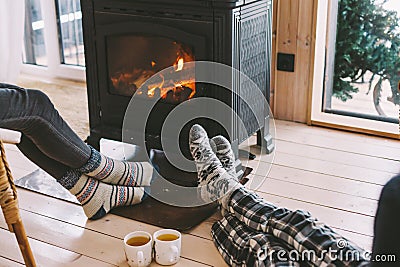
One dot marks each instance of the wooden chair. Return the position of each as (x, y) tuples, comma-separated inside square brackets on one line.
[(9, 201)]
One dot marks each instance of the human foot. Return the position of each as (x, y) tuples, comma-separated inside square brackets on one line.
[(214, 181), (223, 150), (98, 198), (116, 172)]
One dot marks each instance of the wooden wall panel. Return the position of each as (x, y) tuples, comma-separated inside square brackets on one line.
[(294, 35), (286, 42), (303, 61)]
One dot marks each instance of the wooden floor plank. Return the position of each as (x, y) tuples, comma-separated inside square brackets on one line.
[(44, 253), (336, 135), (287, 147), (55, 208), (342, 157), (198, 249), (378, 177), (340, 144), (318, 180), (18, 160), (9, 263), (319, 196), (11, 147), (93, 244), (70, 237)]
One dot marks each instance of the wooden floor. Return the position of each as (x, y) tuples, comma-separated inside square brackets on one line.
[(337, 176)]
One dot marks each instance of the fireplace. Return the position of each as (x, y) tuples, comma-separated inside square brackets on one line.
[(128, 41)]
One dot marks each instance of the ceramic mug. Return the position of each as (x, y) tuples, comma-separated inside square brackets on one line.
[(167, 246), (138, 248)]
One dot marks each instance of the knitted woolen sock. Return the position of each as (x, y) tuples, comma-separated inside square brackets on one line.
[(223, 150), (214, 181), (117, 172), (98, 198)]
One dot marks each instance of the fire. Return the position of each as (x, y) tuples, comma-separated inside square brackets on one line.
[(173, 88), (152, 89), (151, 92), (180, 64)]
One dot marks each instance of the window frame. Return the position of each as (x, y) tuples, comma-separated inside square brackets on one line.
[(54, 68), (321, 55)]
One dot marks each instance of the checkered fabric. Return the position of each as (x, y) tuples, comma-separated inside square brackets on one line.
[(254, 232)]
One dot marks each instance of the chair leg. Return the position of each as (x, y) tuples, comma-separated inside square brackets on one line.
[(23, 243), (9, 205)]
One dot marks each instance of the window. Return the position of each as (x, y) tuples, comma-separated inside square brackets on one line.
[(357, 66), (53, 39), (69, 17), (35, 48)]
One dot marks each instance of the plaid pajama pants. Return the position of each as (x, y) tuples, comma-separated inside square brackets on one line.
[(254, 232)]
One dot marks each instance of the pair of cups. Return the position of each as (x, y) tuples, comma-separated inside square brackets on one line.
[(139, 247)]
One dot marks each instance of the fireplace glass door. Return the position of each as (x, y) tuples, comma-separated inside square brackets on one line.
[(132, 52)]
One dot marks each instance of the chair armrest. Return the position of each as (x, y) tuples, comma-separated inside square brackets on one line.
[(9, 136)]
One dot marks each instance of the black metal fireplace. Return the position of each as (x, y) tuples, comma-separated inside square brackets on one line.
[(128, 41)]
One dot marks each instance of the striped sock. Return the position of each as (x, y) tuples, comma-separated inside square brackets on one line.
[(117, 172), (98, 198)]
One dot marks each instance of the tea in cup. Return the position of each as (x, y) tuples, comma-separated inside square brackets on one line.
[(138, 248), (167, 246)]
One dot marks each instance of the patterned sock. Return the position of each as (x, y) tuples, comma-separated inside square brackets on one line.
[(222, 148), (214, 181), (98, 198), (117, 172)]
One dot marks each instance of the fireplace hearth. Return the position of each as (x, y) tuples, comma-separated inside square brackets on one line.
[(128, 41)]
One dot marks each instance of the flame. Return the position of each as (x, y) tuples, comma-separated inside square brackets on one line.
[(180, 64), (153, 63), (151, 92)]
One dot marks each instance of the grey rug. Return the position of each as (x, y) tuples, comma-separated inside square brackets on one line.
[(41, 182)]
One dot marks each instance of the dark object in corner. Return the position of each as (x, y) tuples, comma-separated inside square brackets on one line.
[(246, 154)]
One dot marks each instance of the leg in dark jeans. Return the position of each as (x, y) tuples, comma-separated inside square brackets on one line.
[(387, 227), (98, 182), (49, 165), (32, 113)]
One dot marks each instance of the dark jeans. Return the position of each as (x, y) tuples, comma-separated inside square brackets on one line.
[(387, 223), (47, 140)]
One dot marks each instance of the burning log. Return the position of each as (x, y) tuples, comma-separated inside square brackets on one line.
[(176, 86), (127, 83), (177, 95)]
